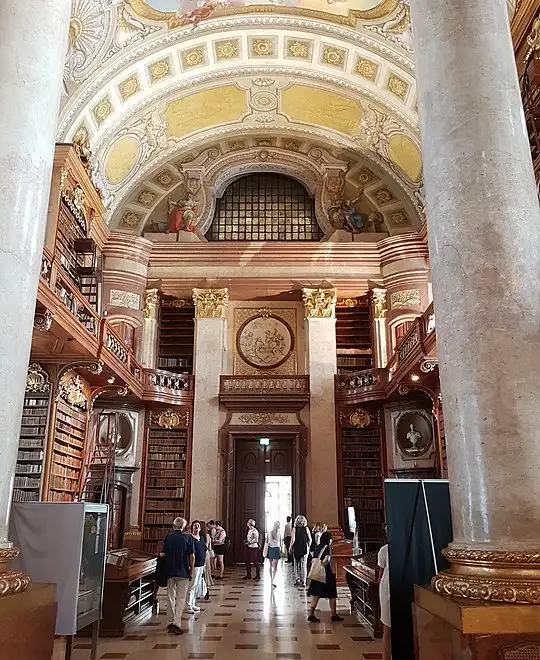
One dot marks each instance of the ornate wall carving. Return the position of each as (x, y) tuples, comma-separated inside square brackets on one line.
[(126, 299), (408, 298)]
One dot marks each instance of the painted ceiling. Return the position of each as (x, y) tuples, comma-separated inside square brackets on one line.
[(156, 83)]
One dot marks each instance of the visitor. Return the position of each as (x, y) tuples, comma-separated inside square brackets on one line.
[(197, 575), (273, 540), (315, 538), (384, 597), (327, 589), (287, 532), (300, 544), (219, 547), (179, 554), (253, 551), (207, 575), (211, 528)]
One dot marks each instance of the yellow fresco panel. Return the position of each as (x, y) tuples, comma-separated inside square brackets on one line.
[(405, 154), (322, 107), (121, 159), (203, 109)]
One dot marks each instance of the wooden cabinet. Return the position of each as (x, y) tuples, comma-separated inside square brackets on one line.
[(364, 588)]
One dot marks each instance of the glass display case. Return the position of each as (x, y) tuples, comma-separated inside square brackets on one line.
[(65, 543)]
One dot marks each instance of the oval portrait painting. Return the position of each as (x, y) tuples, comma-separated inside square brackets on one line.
[(265, 342)]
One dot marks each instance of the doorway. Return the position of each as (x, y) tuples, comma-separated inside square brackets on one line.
[(265, 487)]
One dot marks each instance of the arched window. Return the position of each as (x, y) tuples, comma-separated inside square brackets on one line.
[(265, 207)]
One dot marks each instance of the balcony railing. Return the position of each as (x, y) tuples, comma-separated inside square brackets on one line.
[(274, 392), (118, 349), (167, 387), (369, 381)]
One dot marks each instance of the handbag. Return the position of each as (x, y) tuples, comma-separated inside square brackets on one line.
[(317, 572), (265, 550)]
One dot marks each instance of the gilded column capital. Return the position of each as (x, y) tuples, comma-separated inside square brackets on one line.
[(210, 303), (320, 303), (151, 303), (379, 303)]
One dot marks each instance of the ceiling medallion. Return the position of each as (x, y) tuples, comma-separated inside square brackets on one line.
[(264, 341)]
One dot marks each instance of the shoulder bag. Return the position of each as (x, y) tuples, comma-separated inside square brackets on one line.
[(317, 572)]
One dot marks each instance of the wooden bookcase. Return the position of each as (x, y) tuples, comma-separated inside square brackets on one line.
[(361, 464), (33, 437), (166, 475), (176, 336), (353, 336), (67, 452)]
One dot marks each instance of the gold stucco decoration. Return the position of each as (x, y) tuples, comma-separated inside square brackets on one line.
[(360, 419), (319, 303), (102, 110), (367, 68), (192, 57), (151, 303), (159, 70), (131, 220), (165, 179), (397, 86), (129, 87), (297, 48), (399, 218), (383, 196), (228, 49), (379, 303), (262, 47), (169, 419), (146, 197), (333, 56), (210, 303)]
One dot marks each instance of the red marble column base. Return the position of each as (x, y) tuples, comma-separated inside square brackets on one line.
[(458, 629)]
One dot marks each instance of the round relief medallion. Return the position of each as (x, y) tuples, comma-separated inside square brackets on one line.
[(264, 101), (265, 342)]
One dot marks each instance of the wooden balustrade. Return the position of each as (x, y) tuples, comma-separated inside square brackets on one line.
[(75, 302), (274, 392), (367, 384), (167, 387)]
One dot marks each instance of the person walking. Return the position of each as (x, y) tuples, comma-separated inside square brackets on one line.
[(384, 597), (300, 544), (197, 576), (287, 532), (253, 551), (207, 575), (273, 540), (327, 589), (179, 554), (219, 546)]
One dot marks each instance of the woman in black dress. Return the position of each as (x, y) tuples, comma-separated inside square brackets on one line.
[(299, 549), (326, 589)]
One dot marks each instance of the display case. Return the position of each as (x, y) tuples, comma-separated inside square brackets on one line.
[(64, 543)]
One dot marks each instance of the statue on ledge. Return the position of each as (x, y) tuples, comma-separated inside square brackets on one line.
[(182, 216)]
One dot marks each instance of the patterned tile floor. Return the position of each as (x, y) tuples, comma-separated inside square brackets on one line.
[(246, 620)]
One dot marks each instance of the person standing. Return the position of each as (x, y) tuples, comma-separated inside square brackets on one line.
[(327, 589), (207, 576), (179, 554), (287, 532), (253, 551), (273, 540), (199, 546), (211, 528), (300, 544), (384, 597), (219, 546)]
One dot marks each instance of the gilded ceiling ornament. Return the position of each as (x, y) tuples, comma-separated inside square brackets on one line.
[(399, 218), (379, 303), (263, 101), (397, 28), (151, 303), (210, 303), (227, 50), (382, 196), (146, 197), (43, 322), (72, 388), (263, 82), (165, 179), (130, 219), (81, 143), (169, 419), (262, 47), (365, 176), (333, 56), (37, 379), (291, 145), (296, 48), (360, 419), (367, 68), (129, 87), (192, 57), (347, 302), (236, 146), (159, 70), (128, 299), (407, 298), (102, 110), (397, 86), (319, 303)]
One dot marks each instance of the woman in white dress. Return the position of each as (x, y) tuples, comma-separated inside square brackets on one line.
[(384, 596)]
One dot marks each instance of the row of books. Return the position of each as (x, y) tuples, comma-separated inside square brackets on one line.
[(161, 482), (164, 492)]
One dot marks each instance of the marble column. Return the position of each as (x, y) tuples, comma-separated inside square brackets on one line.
[(484, 236), (33, 40), (320, 311), (380, 342), (210, 337), (150, 329)]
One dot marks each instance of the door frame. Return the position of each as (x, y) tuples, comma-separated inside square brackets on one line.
[(229, 437)]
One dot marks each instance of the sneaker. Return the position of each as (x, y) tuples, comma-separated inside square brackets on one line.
[(189, 611), (195, 608), (313, 619), (207, 597), (336, 617), (173, 629)]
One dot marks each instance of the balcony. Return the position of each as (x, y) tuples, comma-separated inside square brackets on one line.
[(269, 393), (166, 387), (367, 385)]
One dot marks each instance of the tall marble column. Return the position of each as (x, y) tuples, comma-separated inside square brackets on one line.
[(320, 311), (484, 235), (380, 341), (210, 337), (31, 69)]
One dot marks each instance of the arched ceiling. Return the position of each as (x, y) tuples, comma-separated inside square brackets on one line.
[(154, 96)]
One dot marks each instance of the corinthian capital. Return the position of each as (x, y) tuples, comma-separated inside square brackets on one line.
[(151, 303), (319, 303), (210, 303), (379, 303)]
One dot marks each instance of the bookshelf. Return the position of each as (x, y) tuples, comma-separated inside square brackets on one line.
[(362, 479), (32, 438), (176, 336), (165, 475), (67, 452), (353, 336)]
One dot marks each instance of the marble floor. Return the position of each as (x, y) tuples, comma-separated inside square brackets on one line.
[(246, 620)]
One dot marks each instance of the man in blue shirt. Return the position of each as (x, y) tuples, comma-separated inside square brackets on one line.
[(179, 553)]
